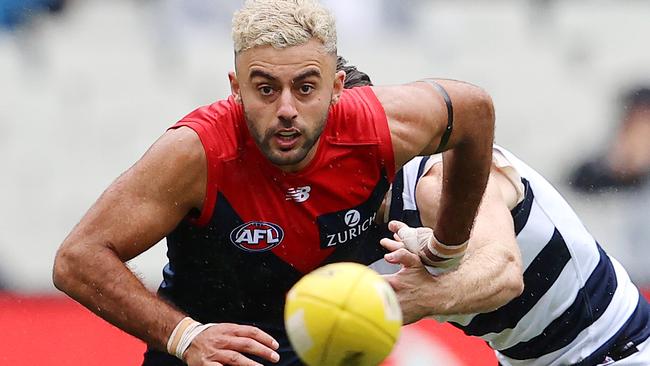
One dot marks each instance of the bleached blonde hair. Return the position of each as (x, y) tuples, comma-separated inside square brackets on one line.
[(283, 23)]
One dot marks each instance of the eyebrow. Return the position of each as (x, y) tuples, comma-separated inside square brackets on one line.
[(306, 74), (262, 74)]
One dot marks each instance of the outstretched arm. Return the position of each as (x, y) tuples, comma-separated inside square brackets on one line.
[(488, 277), (135, 212), (418, 117)]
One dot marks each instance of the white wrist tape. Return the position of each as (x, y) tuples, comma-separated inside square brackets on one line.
[(432, 252), (441, 255), (183, 335)]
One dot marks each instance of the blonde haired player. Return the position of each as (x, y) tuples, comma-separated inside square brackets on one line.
[(254, 191)]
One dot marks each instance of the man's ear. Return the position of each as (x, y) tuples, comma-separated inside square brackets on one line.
[(234, 86), (339, 82)]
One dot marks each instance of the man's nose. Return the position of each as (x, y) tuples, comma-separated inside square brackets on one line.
[(287, 106)]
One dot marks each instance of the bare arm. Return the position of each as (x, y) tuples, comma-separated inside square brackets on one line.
[(135, 212), (417, 116), (489, 276)]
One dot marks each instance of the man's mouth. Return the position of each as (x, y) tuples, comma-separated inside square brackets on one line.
[(287, 139)]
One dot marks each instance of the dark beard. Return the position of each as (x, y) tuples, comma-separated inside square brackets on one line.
[(300, 153)]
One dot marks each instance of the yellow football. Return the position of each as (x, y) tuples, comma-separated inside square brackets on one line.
[(342, 314)]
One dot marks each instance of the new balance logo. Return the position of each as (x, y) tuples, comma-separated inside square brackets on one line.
[(300, 194)]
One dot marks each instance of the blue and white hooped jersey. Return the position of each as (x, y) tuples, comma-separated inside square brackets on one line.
[(578, 303)]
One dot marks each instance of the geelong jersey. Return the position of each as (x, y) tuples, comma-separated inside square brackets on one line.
[(262, 229), (578, 303)]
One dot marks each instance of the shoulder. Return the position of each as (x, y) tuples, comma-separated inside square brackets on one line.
[(358, 115), (181, 143), (217, 112), (220, 126), (172, 170), (177, 154), (407, 102), (357, 103), (392, 100)]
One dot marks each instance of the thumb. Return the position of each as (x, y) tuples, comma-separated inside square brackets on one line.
[(395, 225), (403, 257)]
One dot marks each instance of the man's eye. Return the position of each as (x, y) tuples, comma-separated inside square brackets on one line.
[(306, 89), (266, 90)]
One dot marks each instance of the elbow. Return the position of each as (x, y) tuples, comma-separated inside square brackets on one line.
[(487, 107), (474, 117), (514, 286), (65, 262), (510, 283)]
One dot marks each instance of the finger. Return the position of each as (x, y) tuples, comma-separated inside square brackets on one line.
[(395, 225), (408, 233), (403, 232), (232, 358), (391, 245), (403, 257), (252, 347), (255, 333)]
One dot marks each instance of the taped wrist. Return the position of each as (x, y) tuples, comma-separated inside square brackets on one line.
[(432, 252), (183, 335), (437, 254)]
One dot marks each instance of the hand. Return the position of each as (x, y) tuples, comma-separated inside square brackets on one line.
[(413, 238), (412, 280), (223, 344), (422, 242)]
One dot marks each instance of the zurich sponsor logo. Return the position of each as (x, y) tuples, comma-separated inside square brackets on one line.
[(257, 236), (352, 218), (356, 228)]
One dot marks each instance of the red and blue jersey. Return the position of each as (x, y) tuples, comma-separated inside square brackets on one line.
[(261, 229)]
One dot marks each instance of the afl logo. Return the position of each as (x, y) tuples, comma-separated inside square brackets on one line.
[(352, 218), (257, 236)]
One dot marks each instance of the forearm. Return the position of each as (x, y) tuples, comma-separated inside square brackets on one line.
[(487, 279), (97, 278), (466, 169)]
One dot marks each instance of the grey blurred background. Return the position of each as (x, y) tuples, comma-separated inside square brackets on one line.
[(87, 85)]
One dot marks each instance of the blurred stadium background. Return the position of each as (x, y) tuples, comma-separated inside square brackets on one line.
[(87, 85)]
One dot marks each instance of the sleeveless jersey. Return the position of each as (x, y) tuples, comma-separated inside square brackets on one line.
[(578, 303), (261, 229)]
